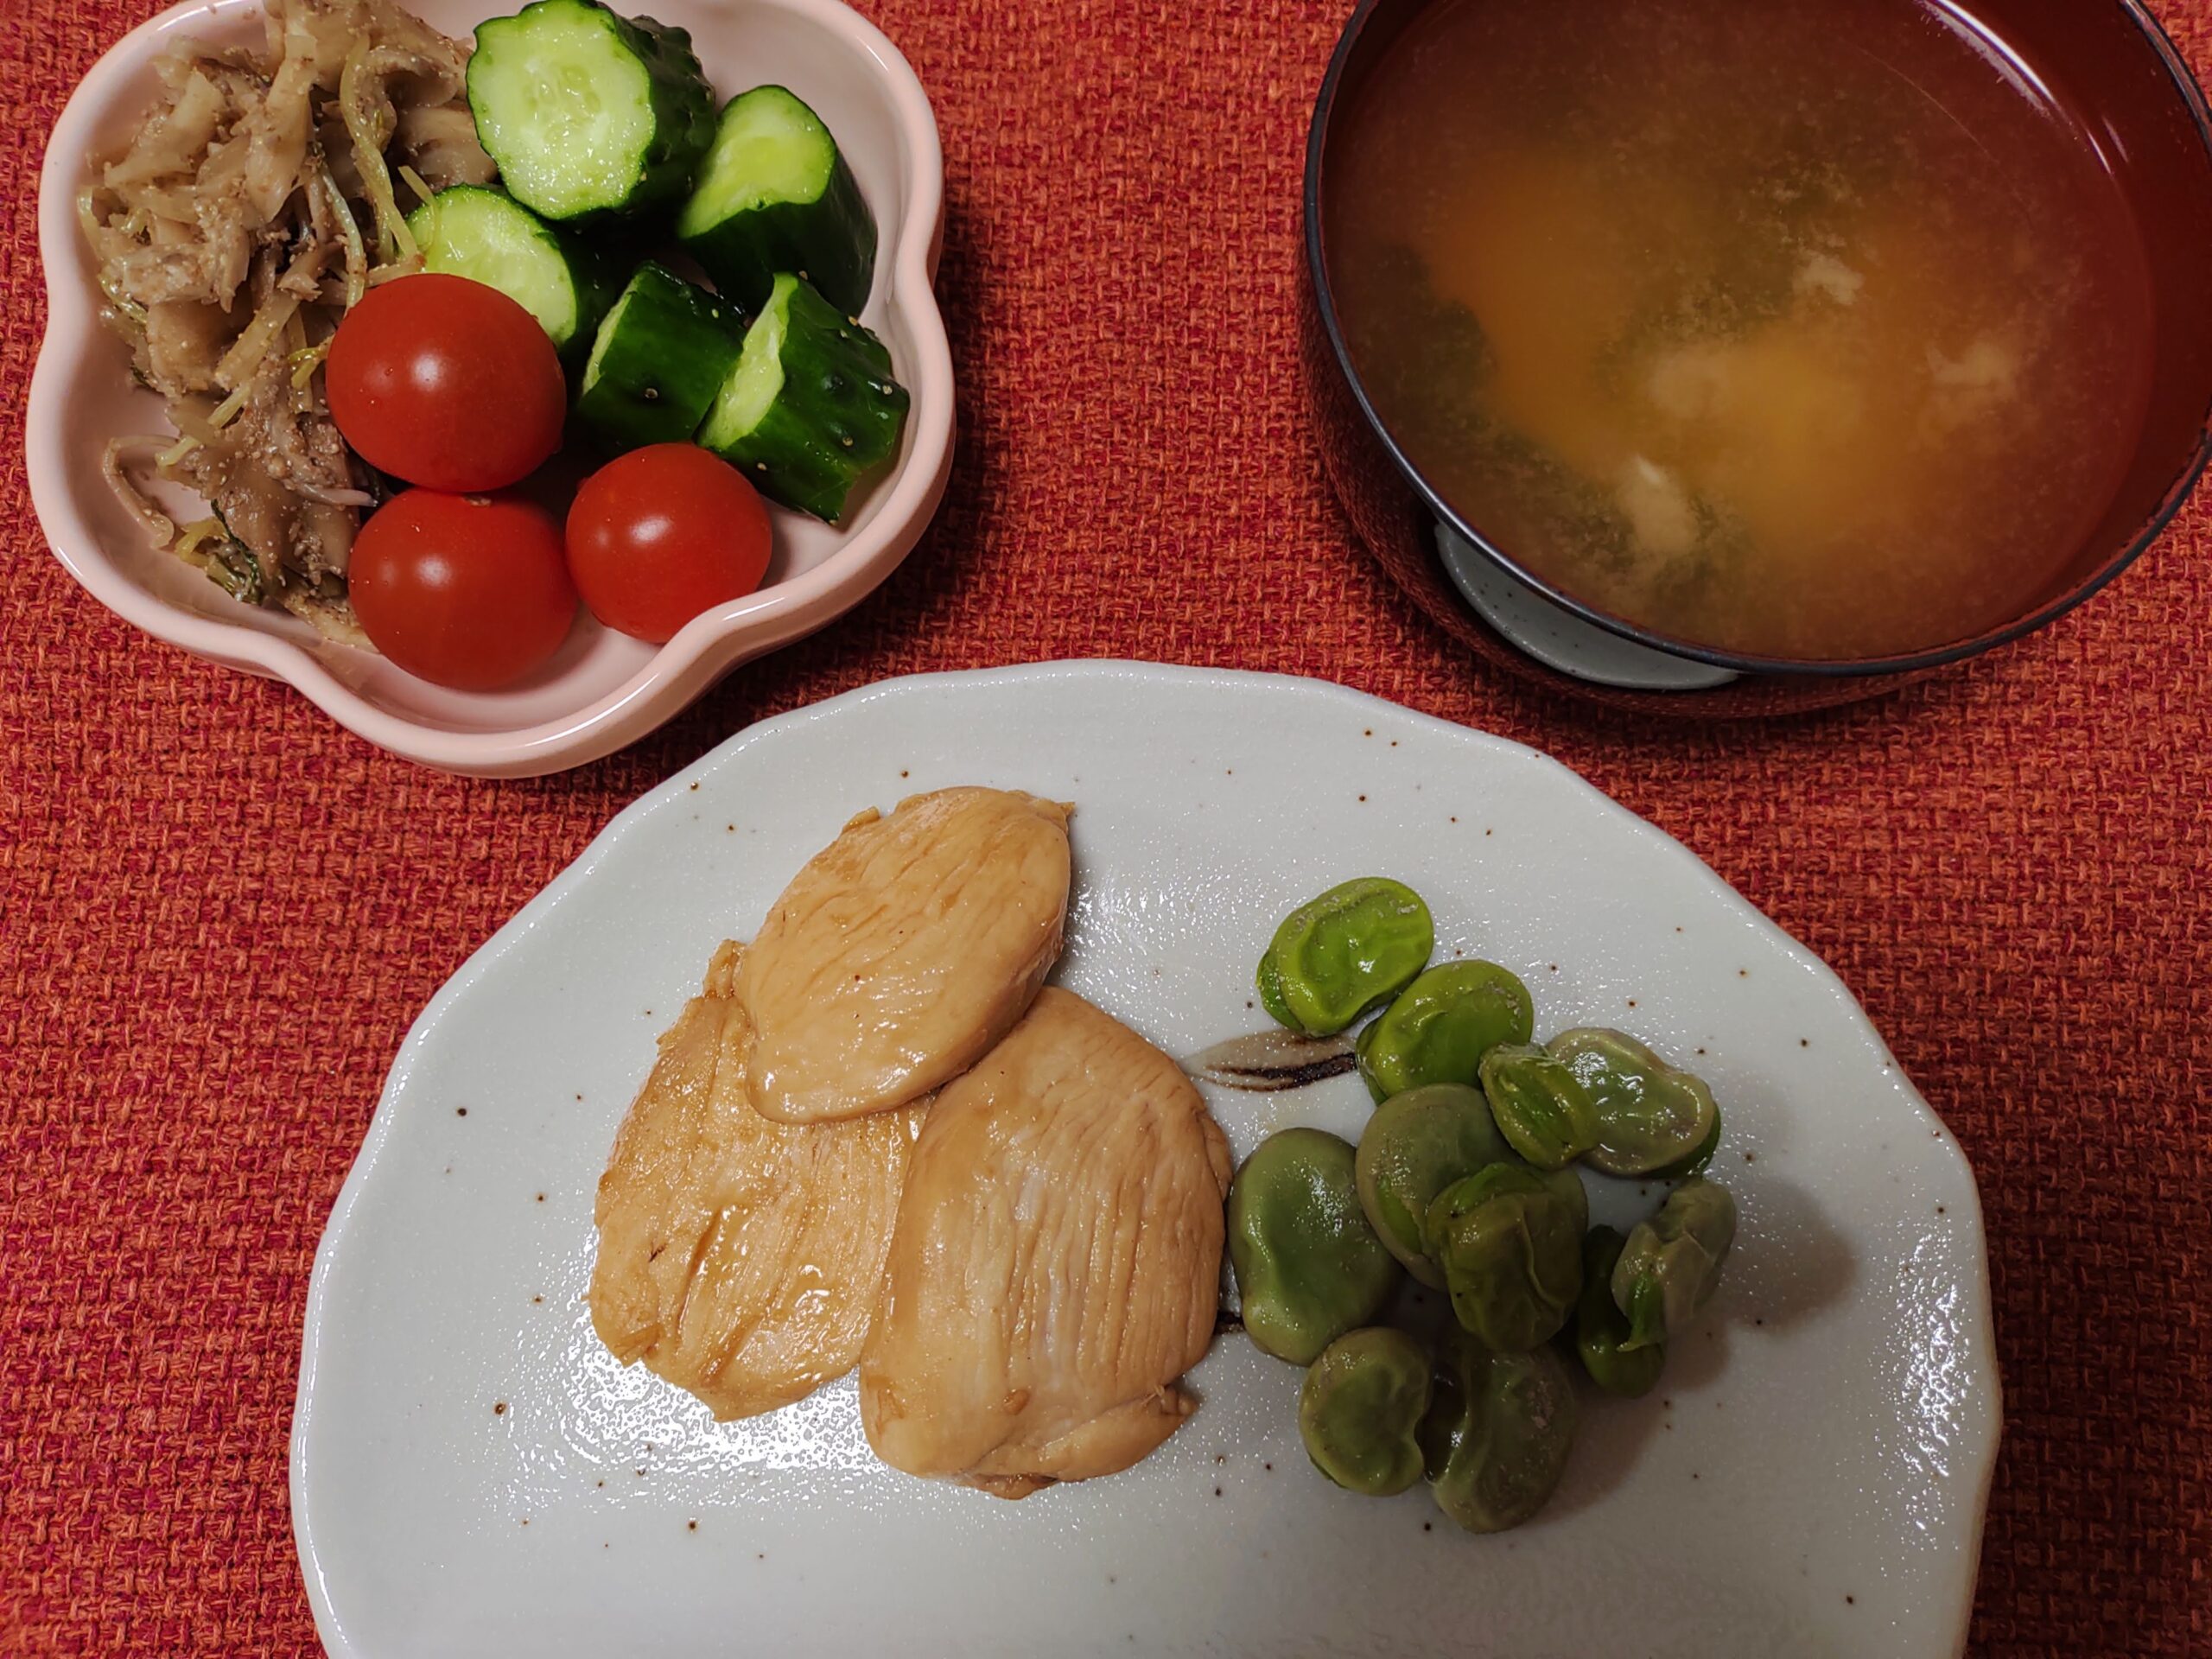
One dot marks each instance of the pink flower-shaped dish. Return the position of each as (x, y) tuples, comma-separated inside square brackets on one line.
[(603, 689)]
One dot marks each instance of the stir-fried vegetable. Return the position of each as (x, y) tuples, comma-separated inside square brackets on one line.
[(228, 242), (251, 241)]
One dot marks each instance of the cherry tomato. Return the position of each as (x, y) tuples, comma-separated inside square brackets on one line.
[(447, 383), (467, 590), (662, 534)]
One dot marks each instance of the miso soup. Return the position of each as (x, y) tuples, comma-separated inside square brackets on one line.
[(1803, 328)]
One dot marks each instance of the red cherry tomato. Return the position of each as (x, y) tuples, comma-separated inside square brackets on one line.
[(662, 534), (467, 590), (447, 383)]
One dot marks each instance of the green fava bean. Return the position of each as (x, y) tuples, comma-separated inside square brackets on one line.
[(1442, 1024), (1540, 1106), (1651, 1117), (1497, 1434), (1509, 1242), (1360, 1410), (1568, 1185), (1415, 1146), (1601, 1327), (1671, 1264), (1308, 1265), (1338, 957), (1697, 1161), (1270, 981)]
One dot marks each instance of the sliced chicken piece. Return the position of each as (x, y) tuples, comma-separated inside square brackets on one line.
[(741, 1259), (1057, 1263), (903, 950)]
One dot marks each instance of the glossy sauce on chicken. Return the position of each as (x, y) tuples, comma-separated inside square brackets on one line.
[(741, 1258), (903, 950), (1056, 1265)]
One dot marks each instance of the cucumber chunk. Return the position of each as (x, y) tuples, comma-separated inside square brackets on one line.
[(810, 405), (659, 358), (487, 236), (588, 113), (774, 194)]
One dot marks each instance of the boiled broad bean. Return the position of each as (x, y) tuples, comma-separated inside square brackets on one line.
[(1540, 1106), (1308, 1265), (1338, 957), (1440, 1026), (1650, 1116), (1601, 1327), (1671, 1264), (1497, 1434), (1510, 1246), (1415, 1145), (1359, 1412)]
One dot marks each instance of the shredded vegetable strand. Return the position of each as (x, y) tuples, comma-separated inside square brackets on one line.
[(208, 546), (349, 232), (198, 430), (88, 218), (227, 410), (194, 424), (305, 363), (239, 364), (123, 304), (200, 530), (158, 523), (226, 201), (329, 497), (368, 156)]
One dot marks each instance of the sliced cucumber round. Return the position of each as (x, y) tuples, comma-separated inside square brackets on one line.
[(659, 358), (487, 236), (775, 194), (811, 406), (588, 113)]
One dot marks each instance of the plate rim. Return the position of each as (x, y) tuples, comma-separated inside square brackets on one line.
[(1982, 1335), (708, 647)]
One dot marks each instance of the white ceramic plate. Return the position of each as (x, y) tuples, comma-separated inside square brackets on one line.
[(602, 690), (472, 1474)]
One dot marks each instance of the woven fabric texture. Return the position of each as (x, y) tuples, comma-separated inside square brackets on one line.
[(219, 911)]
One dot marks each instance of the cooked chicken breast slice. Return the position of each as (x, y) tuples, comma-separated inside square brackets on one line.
[(740, 1258), (903, 950), (1056, 1262)]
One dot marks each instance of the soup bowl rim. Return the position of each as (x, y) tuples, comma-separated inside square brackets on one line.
[(2184, 85)]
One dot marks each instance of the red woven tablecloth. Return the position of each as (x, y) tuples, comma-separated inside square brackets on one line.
[(219, 911)]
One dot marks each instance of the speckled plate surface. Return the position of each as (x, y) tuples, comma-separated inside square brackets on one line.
[(472, 1474)]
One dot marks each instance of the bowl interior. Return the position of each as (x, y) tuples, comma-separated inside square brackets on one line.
[(742, 46), (2129, 91)]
